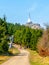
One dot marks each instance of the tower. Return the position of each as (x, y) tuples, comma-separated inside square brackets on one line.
[(29, 22), (32, 25), (29, 19)]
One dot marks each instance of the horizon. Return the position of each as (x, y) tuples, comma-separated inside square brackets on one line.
[(18, 11)]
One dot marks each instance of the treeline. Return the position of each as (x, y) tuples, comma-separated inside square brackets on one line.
[(27, 37), (24, 36), (3, 36), (6, 31)]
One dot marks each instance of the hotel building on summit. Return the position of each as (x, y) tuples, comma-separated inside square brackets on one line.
[(32, 25)]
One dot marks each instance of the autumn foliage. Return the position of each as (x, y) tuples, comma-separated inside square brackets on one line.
[(43, 45)]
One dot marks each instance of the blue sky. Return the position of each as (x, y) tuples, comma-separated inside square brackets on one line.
[(17, 11)]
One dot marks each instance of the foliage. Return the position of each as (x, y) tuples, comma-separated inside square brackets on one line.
[(27, 37), (24, 36), (12, 28), (3, 36), (43, 45)]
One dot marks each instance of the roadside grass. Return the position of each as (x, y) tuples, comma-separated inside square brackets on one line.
[(36, 59), (12, 52), (3, 58)]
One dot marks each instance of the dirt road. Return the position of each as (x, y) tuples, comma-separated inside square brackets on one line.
[(21, 59)]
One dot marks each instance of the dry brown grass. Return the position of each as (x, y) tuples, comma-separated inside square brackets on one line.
[(36, 59), (3, 58)]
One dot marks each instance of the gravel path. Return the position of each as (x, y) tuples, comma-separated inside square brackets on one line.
[(21, 59)]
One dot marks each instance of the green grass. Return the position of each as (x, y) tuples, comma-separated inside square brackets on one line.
[(36, 59), (35, 63)]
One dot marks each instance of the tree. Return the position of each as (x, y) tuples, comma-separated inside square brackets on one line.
[(27, 37), (10, 28), (43, 44), (3, 36)]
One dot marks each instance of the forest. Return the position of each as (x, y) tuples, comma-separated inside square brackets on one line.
[(23, 35)]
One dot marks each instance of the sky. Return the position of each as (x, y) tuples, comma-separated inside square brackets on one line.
[(17, 11)]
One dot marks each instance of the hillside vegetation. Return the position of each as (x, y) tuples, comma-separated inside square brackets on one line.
[(43, 44), (36, 59), (34, 39), (24, 36), (27, 37)]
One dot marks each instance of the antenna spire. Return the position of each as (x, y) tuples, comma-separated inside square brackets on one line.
[(29, 15), (29, 20)]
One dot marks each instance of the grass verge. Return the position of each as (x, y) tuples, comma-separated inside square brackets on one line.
[(3, 58), (36, 59)]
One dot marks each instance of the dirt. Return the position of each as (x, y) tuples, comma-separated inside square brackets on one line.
[(20, 59)]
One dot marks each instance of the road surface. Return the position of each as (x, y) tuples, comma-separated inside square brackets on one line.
[(21, 59)]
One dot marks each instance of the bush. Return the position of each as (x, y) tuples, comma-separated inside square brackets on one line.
[(43, 45)]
